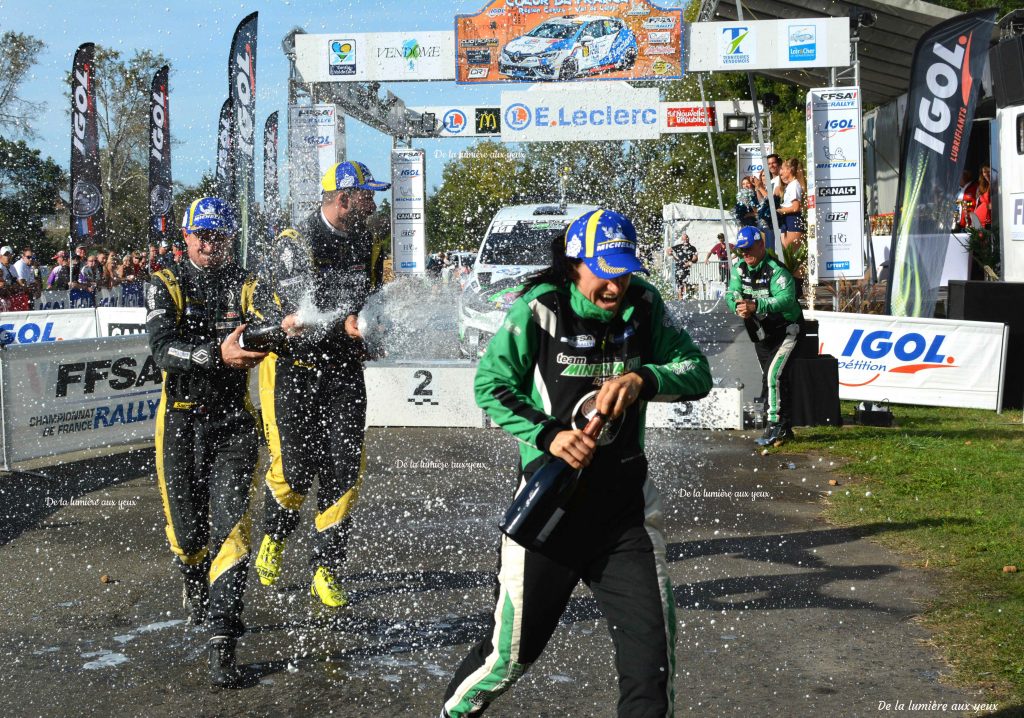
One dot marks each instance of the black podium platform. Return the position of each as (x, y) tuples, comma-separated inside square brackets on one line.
[(814, 391)]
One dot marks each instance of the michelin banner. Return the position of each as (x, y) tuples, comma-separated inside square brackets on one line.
[(538, 40), (312, 150), (408, 212), (835, 198), (78, 397), (749, 161), (930, 362)]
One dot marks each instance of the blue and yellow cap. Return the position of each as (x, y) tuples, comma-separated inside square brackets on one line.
[(606, 242), (211, 213), (351, 175), (748, 237)]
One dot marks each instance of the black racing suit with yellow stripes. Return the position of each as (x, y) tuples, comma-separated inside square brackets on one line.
[(312, 394), (539, 376), (206, 431)]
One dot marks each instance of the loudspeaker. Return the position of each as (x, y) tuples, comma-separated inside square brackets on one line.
[(1006, 61), (995, 302)]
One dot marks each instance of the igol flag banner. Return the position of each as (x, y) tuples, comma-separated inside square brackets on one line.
[(242, 79), (86, 196), (945, 77), (161, 215)]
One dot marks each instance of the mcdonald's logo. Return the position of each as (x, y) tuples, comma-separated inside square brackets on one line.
[(488, 120)]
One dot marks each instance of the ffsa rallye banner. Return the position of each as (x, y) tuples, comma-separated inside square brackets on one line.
[(78, 396), (945, 77), (537, 40)]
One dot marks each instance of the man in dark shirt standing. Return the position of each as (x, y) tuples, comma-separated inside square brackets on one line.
[(685, 255), (312, 392)]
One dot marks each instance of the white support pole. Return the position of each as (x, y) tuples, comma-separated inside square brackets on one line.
[(714, 161)]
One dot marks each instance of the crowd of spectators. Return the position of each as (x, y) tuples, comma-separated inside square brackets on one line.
[(91, 272)]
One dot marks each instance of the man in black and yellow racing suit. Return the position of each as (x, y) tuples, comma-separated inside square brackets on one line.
[(312, 392), (206, 430)]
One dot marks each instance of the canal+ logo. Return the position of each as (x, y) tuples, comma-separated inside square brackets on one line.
[(893, 352)]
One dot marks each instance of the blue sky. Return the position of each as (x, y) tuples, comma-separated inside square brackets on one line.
[(195, 37)]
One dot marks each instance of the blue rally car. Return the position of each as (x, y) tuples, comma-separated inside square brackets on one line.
[(571, 46)]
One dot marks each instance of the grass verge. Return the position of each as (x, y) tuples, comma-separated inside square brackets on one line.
[(957, 477)]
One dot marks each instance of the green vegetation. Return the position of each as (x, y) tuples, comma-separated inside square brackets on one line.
[(954, 477)]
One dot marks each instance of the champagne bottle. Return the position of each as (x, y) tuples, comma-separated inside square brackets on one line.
[(262, 338), (539, 507)]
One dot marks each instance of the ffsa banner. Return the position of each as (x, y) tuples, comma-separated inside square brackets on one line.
[(948, 64), (312, 150), (835, 172), (78, 396), (560, 40)]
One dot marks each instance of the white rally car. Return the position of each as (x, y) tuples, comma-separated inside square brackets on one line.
[(567, 47), (517, 243)]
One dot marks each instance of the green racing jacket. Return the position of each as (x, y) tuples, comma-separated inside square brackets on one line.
[(543, 368)]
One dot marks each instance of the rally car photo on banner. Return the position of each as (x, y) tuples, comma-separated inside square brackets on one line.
[(510, 41)]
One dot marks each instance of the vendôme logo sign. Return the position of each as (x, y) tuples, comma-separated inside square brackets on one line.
[(884, 351), (519, 116)]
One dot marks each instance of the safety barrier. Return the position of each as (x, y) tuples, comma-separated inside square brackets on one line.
[(81, 398), (115, 297)]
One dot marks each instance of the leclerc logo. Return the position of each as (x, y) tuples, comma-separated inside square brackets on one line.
[(517, 116), (900, 353), (454, 121)]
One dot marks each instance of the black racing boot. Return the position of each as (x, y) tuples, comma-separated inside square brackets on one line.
[(224, 671), (196, 598), (775, 435)]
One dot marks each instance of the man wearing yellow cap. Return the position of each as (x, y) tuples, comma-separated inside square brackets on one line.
[(312, 391)]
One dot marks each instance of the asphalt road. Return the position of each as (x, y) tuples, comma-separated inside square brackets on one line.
[(780, 614)]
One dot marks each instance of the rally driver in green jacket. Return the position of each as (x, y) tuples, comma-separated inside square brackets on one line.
[(763, 293), (586, 336)]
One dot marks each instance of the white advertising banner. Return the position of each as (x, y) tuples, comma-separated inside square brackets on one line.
[(1008, 175), (47, 326), (118, 321), (312, 150), (583, 111), (464, 120), (684, 117), (89, 395), (378, 56), (408, 212), (769, 44), (906, 360), (835, 194), (749, 160)]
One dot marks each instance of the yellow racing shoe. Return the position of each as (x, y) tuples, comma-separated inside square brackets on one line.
[(269, 560), (327, 589)]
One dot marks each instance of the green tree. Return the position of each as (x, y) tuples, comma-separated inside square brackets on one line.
[(474, 186), (18, 53), (29, 192)]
